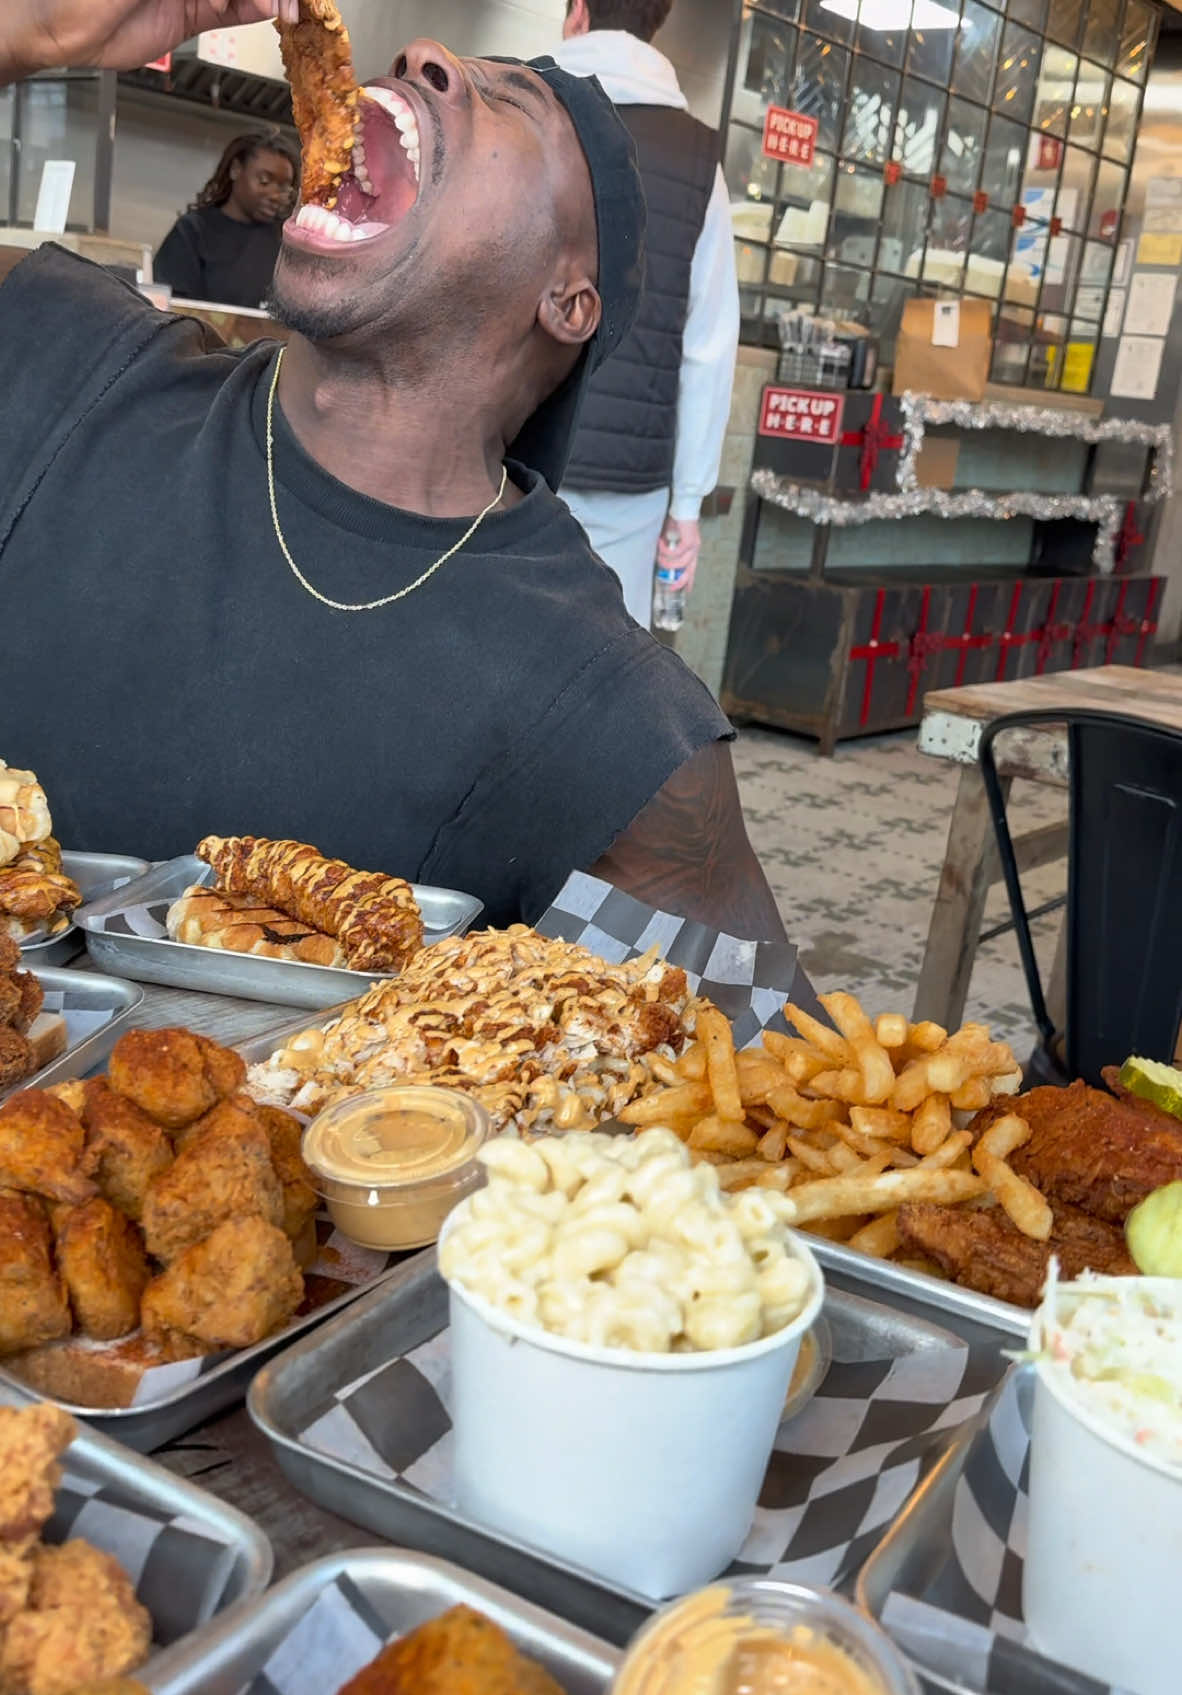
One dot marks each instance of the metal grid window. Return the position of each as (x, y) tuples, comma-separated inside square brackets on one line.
[(936, 119)]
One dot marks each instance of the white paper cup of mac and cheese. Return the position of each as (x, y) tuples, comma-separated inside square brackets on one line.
[(639, 1464)]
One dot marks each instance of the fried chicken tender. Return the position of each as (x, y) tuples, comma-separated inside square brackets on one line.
[(459, 1653), (173, 1075), (220, 1175), (124, 1149), (41, 1148), (33, 1304), (31, 1440), (16, 1057), (318, 58), (982, 1250), (83, 1624), (286, 1135), (228, 1291), (100, 1255)]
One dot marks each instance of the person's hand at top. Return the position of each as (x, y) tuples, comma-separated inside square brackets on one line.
[(38, 35)]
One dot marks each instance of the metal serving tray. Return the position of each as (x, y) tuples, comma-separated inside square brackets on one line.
[(84, 991), (95, 874), (972, 1316), (406, 1310), (403, 1590), (101, 1463), (285, 982)]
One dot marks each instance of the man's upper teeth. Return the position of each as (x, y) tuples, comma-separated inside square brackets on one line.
[(407, 124)]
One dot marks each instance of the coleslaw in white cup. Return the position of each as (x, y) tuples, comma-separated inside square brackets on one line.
[(1104, 1535), (639, 1465)]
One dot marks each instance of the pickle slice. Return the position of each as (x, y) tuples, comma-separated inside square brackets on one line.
[(1153, 1081), (1153, 1231)]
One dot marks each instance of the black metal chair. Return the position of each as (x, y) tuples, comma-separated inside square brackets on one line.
[(1124, 892)]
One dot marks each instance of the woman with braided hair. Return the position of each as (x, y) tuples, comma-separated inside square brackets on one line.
[(225, 246)]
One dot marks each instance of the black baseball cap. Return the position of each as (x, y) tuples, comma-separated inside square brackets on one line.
[(546, 437)]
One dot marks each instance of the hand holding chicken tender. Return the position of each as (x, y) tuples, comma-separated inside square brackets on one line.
[(33, 1304), (41, 1148), (228, 1291), (173, 1075)]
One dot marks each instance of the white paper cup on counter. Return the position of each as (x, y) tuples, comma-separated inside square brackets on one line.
[(1104, 1534), (642, 1468)]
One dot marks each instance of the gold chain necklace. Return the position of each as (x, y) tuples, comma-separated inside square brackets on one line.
[(368, 605)]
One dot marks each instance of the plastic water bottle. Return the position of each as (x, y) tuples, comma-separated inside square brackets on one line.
[(668, 600)]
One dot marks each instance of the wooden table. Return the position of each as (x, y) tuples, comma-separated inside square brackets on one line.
[(951, 729)]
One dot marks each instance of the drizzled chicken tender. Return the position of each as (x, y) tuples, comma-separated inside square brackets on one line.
[(218, 1176), (318, 58), (41, 1148), (124, 1149), (101, 1257), (228, 1291), (83, 1624), (31, 1440), (173, 1075)]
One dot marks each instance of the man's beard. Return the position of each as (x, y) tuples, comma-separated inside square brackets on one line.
[(322, 319)]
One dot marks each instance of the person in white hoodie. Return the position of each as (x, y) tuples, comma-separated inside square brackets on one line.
[(649, 443)]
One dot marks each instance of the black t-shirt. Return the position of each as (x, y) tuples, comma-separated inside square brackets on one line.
[(208, 256), (166, 676)]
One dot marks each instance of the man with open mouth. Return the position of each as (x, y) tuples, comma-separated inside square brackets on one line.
[(325, 590)]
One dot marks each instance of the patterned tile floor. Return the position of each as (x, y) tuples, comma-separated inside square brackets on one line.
[(853, 847)]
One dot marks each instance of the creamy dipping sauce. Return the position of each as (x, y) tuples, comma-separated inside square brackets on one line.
[(391, 1163), (703, 1647)]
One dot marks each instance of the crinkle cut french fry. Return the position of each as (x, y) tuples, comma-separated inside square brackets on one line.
[(931, 1125), (1003, 1137), (871, 1059), (1023, 1204), (715, 1033), (820, 1035), (879, 1238), (670, 1103), (714, 1134), (836, 1197), (804, 1114)]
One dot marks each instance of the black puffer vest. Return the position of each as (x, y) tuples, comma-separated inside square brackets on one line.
[(628, 426)]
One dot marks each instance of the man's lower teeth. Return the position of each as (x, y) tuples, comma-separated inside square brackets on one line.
[(321, 221)]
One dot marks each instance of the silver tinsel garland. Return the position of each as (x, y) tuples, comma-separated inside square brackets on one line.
[(1106, 511), (920, 410)]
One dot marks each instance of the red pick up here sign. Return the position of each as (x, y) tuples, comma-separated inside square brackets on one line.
[(801, 414), (789, 136)]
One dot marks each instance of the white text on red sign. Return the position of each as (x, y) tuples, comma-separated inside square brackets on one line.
[(789, 135), (801, 414)]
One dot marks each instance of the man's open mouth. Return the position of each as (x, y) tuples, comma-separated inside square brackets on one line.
[(382, 181)]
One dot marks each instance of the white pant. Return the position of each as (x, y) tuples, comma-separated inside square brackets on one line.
[(624, 530)]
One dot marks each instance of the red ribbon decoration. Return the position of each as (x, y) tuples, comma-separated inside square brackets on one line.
[(1129, 536), (873, 440)]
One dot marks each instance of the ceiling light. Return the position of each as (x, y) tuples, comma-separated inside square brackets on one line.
[(894, 14)]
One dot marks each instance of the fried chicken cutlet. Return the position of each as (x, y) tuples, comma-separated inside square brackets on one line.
[(228, 1291), (33, 1304), (41, 1148), (459, 1653), (83, 1624), (1088, 1150), (173, 1075), (982, 1250), (318, 58), (31, 1442)]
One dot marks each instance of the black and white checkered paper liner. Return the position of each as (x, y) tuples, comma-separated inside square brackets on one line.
[(340, 1633), (182, 1570), (840, 1471), (81, 1022), (967, 1625)]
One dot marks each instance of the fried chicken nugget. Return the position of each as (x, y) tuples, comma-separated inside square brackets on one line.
[(10, 998), (16, 1577), (33, 1304), (228, 1291), (286, 1135), (124, 1149), (222, 1174), (100, 1254), (32, 999), (31, 1439), (41, 1148), (16, 1057), (173, 1075), (459, 1653), (83, 1624), (10, 953)]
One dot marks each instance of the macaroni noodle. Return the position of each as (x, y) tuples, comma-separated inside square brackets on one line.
[(621, 1242)]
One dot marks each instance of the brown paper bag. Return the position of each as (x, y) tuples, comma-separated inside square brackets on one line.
[(946, 373)]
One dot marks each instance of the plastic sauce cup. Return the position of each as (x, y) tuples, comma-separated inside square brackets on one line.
[(644, 1469), (391, 1163), (763, 1636)]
